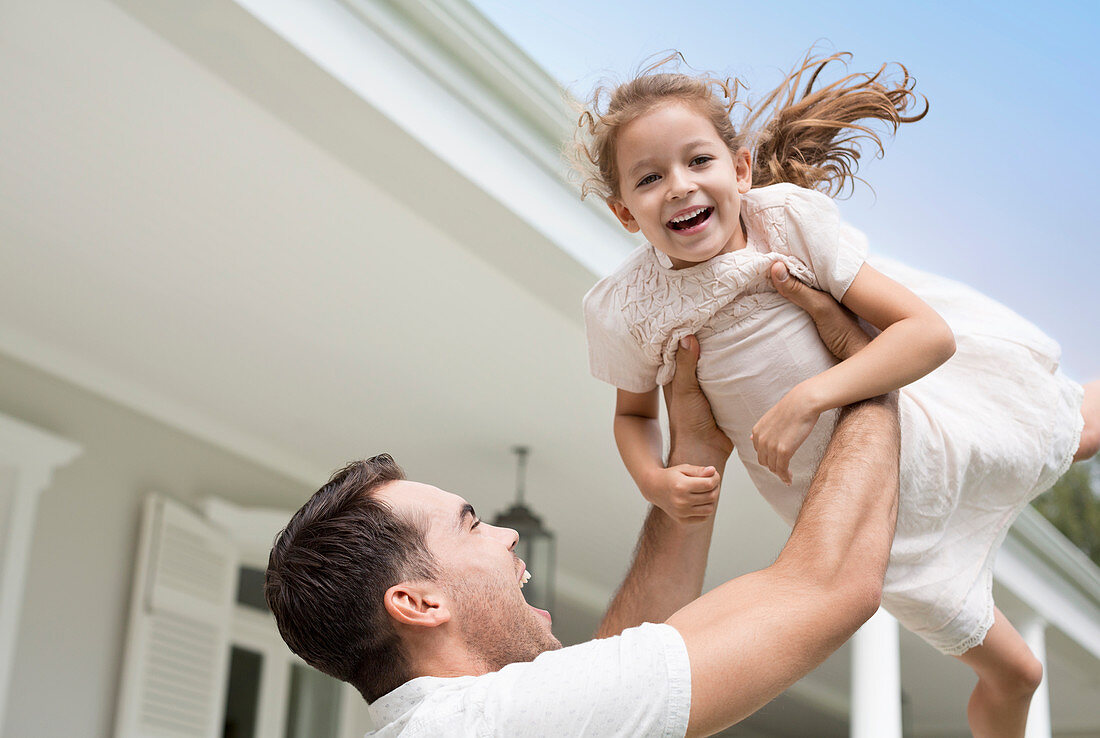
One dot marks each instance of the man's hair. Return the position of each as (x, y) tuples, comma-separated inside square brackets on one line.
[(330, 568)]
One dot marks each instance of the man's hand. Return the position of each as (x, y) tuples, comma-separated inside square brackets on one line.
[(835, 324), (694, 436)]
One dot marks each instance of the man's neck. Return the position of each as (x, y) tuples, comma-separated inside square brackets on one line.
[(446, 658)]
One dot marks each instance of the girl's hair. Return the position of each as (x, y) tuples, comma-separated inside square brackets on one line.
[(798, 134)]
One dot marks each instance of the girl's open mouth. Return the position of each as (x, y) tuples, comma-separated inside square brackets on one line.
[(690, 220)]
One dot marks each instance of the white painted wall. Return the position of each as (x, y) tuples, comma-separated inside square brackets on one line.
[(73, 622)]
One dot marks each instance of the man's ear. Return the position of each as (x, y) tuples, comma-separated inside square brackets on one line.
[(417, 603), (625, 217)]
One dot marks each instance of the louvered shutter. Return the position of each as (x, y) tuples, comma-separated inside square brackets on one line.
[(173, 675)]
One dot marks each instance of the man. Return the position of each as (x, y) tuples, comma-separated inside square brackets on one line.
[(398, 588)]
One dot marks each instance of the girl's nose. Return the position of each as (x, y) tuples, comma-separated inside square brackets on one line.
[(679, 185)]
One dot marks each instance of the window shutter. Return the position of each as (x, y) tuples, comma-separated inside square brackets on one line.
[(174, 670)]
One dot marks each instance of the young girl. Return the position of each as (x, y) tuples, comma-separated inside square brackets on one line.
[(992, 427)]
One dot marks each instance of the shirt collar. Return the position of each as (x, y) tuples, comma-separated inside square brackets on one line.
[(390, 707), (662, 257)]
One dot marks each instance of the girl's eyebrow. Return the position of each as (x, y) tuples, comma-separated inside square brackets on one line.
[(643, 164), (646, 163)]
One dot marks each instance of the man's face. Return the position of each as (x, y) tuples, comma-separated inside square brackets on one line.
[(480, 574)]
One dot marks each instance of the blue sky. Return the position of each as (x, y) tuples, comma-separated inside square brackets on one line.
[(996, 187)]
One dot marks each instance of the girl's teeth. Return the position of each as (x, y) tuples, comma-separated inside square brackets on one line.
[(688, 216), (690, 219)]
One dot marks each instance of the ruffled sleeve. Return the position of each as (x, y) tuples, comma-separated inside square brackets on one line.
[(615, 355), (813, 232)]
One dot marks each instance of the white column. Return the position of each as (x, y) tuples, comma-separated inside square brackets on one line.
[(876, 679), (28, 457), (1034, 630)]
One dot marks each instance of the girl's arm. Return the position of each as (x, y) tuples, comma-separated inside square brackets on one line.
[(685, 492), (914, 341), (638, 434)]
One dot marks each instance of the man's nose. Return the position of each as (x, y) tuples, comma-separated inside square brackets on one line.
[(507, 536)]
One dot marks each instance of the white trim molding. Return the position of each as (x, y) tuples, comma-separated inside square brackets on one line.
[(1058, 582), (467, 55), (28, 458), (417, 70)]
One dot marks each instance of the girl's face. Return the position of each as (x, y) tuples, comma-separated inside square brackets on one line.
[(680, 185)]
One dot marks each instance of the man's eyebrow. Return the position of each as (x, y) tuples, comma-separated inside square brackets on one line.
[(467, 510)]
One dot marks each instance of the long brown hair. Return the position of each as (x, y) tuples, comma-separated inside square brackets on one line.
[(798, 134)]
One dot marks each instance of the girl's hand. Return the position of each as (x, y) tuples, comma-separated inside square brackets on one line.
[(685, 492), (781, 431)]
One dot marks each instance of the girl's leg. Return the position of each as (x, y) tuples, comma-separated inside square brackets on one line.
[(1090, 436), (1008, 675)]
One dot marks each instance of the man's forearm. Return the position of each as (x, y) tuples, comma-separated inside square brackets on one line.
[(666, 574), (670, 561), (752, 637), (846, 524)]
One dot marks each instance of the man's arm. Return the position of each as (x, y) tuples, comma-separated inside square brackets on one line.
[(754, 636), (671, 557)]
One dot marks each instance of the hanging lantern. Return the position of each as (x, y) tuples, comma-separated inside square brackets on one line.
[(536, 542)]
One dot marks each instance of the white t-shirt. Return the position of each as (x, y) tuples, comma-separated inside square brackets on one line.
[(632, 685)]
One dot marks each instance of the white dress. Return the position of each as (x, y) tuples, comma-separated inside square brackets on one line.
[(981, 435)]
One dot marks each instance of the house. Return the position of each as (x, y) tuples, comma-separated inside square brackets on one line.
[(244, 241)]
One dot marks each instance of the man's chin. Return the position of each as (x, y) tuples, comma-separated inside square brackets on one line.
[(541, 620), (501, 626), (549, 643)]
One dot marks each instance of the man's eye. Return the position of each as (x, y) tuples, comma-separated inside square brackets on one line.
[(648, 179)]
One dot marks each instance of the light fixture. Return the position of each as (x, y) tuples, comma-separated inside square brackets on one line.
[(536, 542)]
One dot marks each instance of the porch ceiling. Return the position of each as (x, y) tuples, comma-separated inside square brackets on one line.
[(184, 248)]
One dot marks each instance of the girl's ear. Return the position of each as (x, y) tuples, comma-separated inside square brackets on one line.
[(417, 603), (742, 164), (623, 215)]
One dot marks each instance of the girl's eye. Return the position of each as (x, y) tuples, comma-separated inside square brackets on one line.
[(701, 160), (476, 524), (648, 179)]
